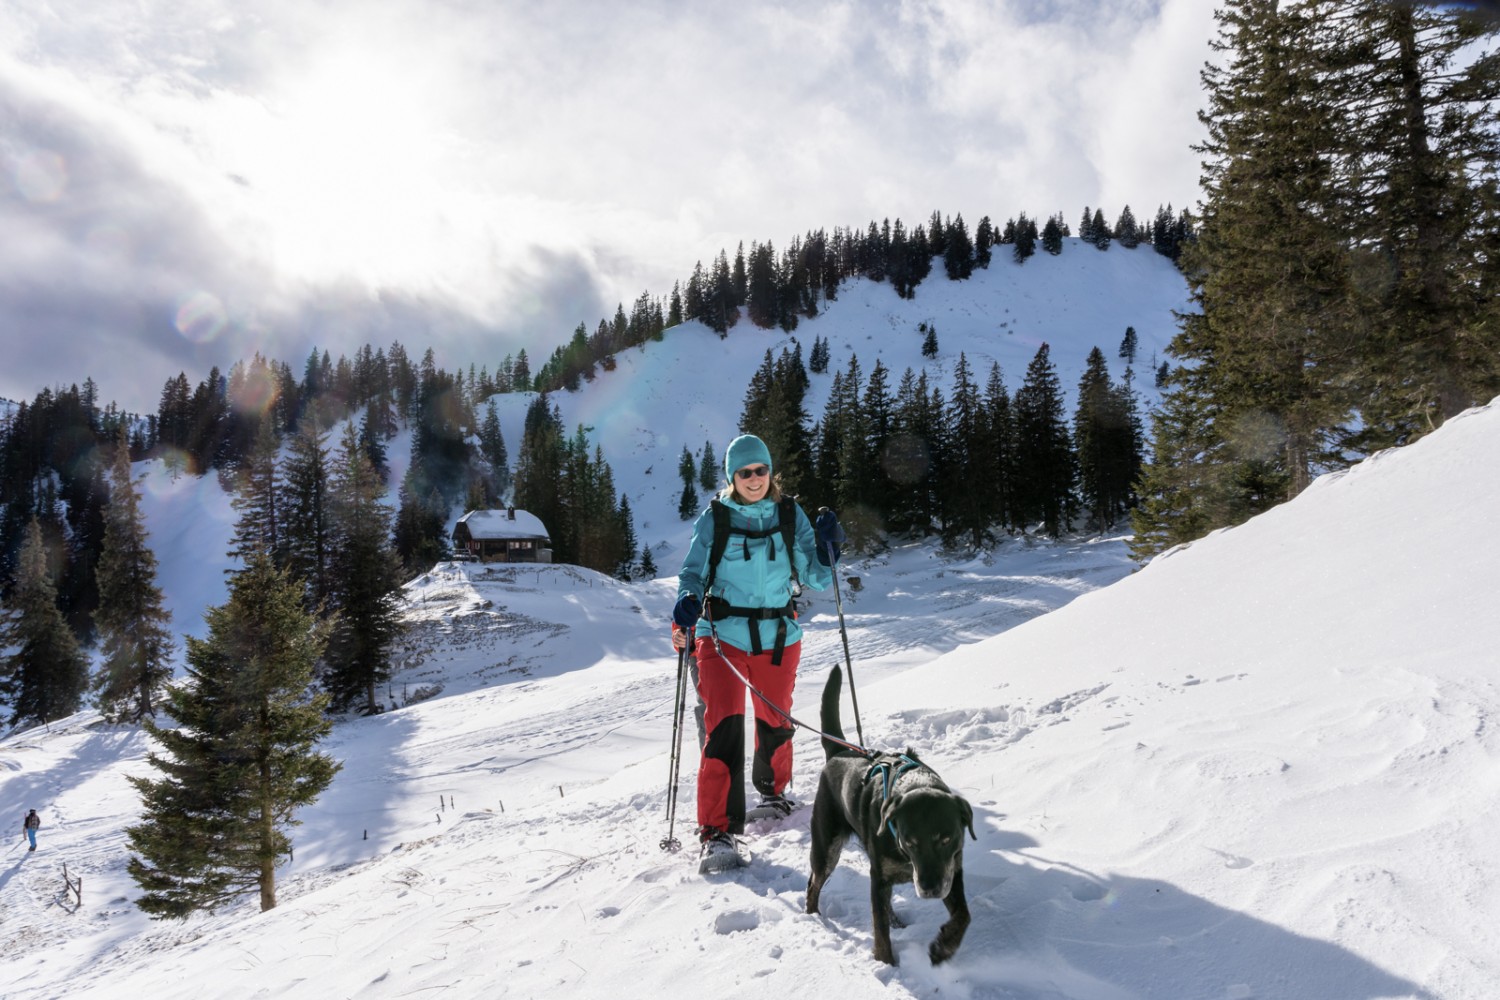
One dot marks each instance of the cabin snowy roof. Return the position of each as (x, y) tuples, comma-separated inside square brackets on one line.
[(495, 524)]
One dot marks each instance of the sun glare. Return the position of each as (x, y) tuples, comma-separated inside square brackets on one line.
[(346, 168)]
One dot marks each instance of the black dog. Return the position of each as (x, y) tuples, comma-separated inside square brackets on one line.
[(910, 823)]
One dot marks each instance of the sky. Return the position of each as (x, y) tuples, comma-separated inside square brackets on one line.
[(185, 184), (1262, 767)]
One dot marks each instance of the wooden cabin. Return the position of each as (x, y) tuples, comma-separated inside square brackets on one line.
[(508, 535)]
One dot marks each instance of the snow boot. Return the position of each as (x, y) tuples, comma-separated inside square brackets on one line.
[(771, 807), (720, 853)]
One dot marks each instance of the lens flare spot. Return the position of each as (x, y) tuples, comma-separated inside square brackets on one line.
[(41, 176), (256, 393), (201, 317)]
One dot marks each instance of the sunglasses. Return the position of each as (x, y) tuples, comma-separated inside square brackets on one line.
[(753, 472)]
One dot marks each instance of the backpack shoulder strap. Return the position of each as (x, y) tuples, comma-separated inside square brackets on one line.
[(786, 512), (719, 544), (786, 516)]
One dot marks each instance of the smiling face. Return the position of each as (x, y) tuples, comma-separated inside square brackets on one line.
[(752, 482)]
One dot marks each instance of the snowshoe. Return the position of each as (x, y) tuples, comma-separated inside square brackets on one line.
[(721, 853), (771, 807)]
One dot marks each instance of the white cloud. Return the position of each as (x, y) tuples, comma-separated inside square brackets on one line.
[(288, 155)]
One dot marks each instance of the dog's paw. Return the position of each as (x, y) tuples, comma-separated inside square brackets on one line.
[(945, 944)]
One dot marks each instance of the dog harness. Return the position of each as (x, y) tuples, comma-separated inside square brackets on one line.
[(884, 768)]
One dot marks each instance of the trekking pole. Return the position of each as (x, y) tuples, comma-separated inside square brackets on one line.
[(838, 601), (669, 843)]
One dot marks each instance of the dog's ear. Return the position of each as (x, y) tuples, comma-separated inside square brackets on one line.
[(968, 814), (887, 813)]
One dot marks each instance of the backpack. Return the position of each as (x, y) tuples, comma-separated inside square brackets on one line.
[(786, 527)]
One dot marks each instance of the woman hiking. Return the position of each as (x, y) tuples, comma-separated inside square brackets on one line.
[(750, 550)]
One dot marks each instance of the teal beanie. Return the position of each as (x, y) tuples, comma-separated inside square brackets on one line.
[(747, 449)]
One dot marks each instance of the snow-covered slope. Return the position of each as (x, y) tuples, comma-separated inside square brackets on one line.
[(1263, 767), (690, 387)]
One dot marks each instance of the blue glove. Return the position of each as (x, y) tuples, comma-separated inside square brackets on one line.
[(831, 537), (686, 613)]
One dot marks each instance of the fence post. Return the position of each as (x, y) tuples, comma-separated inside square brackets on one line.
[(74, 886)]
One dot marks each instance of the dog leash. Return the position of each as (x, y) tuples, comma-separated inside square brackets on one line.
[(713, 631)]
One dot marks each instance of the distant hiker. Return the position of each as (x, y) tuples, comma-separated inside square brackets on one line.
[(750, 551), (680, 643), (31, 824)]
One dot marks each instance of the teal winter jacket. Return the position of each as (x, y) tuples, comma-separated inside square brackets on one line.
[(754, 572)]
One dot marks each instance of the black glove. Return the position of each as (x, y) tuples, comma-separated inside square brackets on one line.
[(686, 613), (831, 536)]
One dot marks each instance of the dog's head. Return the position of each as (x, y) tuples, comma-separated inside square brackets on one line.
[(929, 825)]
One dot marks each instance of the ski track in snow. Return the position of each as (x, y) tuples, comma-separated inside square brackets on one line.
[(473, 627)]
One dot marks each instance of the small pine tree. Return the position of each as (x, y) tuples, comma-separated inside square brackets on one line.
[(242, 759), (46, 673), (625, 533), (648, 564), (261, 524), (687, 504), (1044, 453), (1129, 346), (365, 581), (1052, 235), (1100, 228), (708, 468), (132, 622), (1026, 238), (687, 469), (930, 343)]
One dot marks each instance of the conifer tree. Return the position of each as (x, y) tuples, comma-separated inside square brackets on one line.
[(774, 412), (968, 485), (625, 534), (958, 251), (648, 564), (1100, 231), (909, 458), (1044, 455), (261, 524), (984, 240), (307, 512), (1423, 164), (539, 467), (242, 759), (687, 469), (418, 534), (364, 581), (1001, 439), (1271, 338), (46, 673), (879, 418), (1182, 497), (708, 468), (1098, 428), (492, 447), (1127, 230), (1129, 345), (1026, 238), (133, 635), (1052, 236)]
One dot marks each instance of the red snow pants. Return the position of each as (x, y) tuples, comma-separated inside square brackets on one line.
[(721, 771)]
